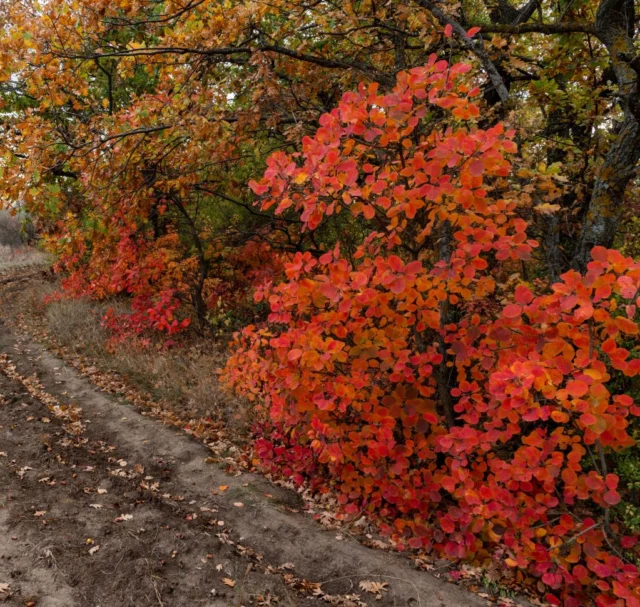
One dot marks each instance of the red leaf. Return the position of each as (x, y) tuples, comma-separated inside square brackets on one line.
[(398, 285), (258, 189), (588, 419), (472, 32), (577, 388), (330, 291), (612, 497), (476, 167), (628, 542), (523, 295), (448, 30), (512, 311)]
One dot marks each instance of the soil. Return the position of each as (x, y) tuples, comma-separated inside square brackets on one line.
[(103, 506)]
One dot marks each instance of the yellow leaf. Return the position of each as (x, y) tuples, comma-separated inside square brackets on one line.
[(547, 208)]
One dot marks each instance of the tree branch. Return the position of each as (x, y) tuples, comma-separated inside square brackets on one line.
[(475, 45), (536, 28), (364, 68)]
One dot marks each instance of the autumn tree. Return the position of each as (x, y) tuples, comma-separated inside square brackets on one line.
[(442, 187), (165, 110)]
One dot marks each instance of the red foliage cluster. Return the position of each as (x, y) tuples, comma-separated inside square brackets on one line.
[(157, 275), (157, 314), (468, 411), (237, 270), (127, 263)]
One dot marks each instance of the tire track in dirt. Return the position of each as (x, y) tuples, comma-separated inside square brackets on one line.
[(184, 537)]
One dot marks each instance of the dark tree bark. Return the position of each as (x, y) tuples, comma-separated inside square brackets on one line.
[(615, 27), (197, 289)]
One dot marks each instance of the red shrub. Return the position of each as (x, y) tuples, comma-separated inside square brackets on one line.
[(426, 383)]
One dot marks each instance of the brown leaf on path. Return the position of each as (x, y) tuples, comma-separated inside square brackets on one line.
[(376, 588), (123, 517)]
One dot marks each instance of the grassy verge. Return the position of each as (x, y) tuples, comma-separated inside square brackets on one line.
[(181, 379), (19, 258)]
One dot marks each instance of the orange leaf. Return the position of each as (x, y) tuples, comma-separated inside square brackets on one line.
[(626, 326)]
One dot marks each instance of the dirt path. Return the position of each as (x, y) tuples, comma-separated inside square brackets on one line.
[(101, 506)]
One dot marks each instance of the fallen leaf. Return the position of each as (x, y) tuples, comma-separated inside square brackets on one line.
[(123, 517), (376, 588), (96, 506), (219, 567), (228, 581), (102, 491), (23, 471), (223, 487), (238, 504), (40, 513), (5, 588), (93, 550)]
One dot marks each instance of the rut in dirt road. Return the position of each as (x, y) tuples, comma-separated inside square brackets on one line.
[(102, 506), (77, 528)]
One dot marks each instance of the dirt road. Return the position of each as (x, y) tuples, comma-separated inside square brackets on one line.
[(102, 506)]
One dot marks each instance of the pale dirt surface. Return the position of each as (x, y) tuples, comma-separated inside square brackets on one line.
[(180, 535)]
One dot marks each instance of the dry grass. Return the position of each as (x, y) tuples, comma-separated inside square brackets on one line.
[(183, 377), (18, 258)]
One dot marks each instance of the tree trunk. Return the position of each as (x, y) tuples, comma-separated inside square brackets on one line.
[(615, 27)]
